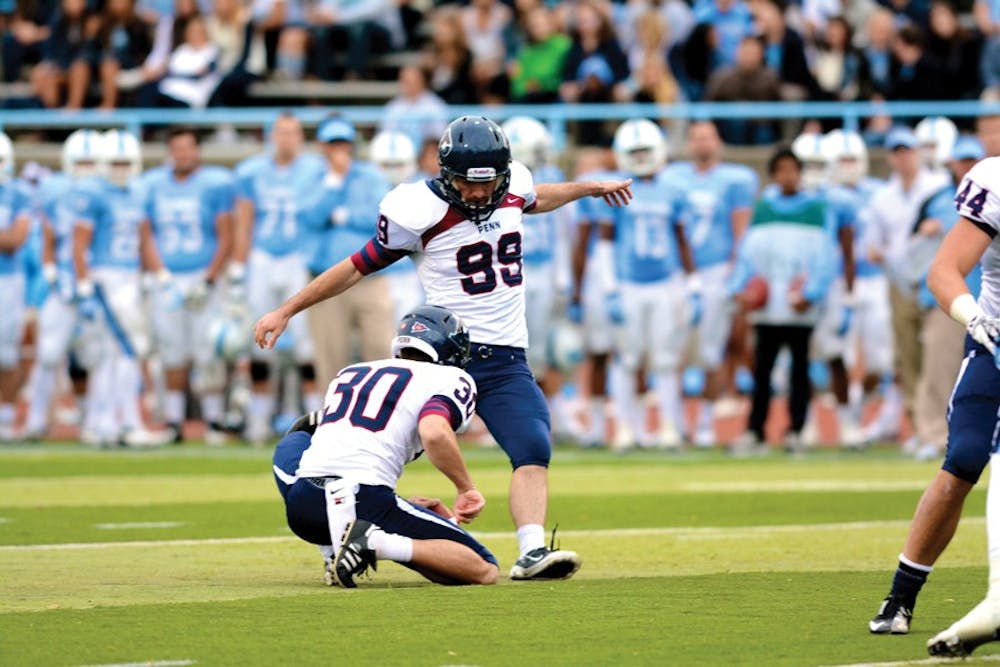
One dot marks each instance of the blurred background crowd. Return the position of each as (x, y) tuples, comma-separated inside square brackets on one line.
[(197, 53)]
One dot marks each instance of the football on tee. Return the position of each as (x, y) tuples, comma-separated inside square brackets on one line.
[(755, 293)]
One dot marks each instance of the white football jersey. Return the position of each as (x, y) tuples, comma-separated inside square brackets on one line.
[(978, 200), (370, 416), (472, 269)]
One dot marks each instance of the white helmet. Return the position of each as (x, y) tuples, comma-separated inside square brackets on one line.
[(847, 155), (6, 158), (81, 154), (937, 137), (815, 166), (530, 141), (640, 147), (121, 157), (393, 153)]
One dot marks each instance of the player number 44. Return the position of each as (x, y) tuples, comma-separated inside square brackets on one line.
[(974, 202)]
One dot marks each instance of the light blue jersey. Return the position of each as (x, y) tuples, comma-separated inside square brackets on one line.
[(706, 203), (941, 206), (541, 233), (65, 202), (277, 193), (731, 26), (115, 242), (645, 247), (591, 211), (13, 204), (339, 219), (847, 202), (183, 214)]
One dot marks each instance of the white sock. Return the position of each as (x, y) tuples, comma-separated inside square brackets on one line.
[(623, 394), (327, 552), (597, 422), (530, 536), (6, 414), (261, 407), (173, 407), (706, 414), (128, 387), (668, 394), (43, 385), (211, 408), (312, 400), (390, 546), (845, 415)]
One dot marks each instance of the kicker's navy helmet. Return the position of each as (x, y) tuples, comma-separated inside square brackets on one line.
[(476, 149)]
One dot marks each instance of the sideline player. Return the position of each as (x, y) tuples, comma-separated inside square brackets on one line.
[(715, 202), (339, 484), (268, 248), (14, 227), (466, 228), (973, 420), (187, 238)]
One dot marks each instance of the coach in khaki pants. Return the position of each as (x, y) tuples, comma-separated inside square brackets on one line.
[(340, 219), (942, 338), (890, 218)]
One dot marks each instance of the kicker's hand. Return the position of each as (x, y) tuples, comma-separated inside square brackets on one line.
[(615, 193), (468, 505), (435, 505), (268, 328)]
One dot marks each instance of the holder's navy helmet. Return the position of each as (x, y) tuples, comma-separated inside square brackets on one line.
[(476, 149), (437, 332)]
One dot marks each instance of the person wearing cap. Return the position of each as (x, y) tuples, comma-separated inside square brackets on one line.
[(970, 430), (338, 217), (941, 337), (888, 219)]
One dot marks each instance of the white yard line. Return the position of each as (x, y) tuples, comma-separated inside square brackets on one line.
[(681, 532), (804, 485), (138, 524), (155, 663), (925, 661)]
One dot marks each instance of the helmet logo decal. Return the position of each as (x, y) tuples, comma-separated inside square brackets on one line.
[(418, 327), (481, 173), (444, 148)]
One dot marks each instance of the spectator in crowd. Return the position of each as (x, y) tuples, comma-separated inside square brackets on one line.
[(416, 112), (816, 16), (364, 27), (538, 65), (784, 52), (917, 75), (915, 12), (876, 61), (888, 219), (676, 15), (749, 80), (987, 13), (789, 246), (957, 50), (594, 66), (449, 60), (485, 23), (836, 64), (283, 25), (692, 60), (242, 56), (124, 41), (650, 39), (67, 57), (26, 32), (193, 71), (595, 62), (731, 20), (653, 82)]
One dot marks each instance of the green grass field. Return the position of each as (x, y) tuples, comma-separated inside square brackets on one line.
[(181, 556)]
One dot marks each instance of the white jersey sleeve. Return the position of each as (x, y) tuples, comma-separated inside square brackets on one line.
[(522, 184), (978, 197), (406, 213)]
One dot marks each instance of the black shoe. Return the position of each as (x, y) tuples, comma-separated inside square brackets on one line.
[(546, 563), (893, 617), (308, 422), (354, 556)]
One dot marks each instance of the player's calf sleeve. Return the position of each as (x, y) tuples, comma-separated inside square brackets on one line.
[(341, 508)]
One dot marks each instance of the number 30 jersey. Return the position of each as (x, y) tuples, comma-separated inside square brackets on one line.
[(472, 269), (978, 200), (370, 417)]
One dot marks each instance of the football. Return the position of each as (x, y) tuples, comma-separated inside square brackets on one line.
[(755, 293)]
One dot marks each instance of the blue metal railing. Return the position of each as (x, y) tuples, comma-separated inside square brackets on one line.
[(555, 115)]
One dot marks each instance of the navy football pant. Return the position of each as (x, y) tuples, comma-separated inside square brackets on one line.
[(973, 414)]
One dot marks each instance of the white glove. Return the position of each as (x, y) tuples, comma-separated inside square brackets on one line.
[(197, 294), (985, 331), (339, 215)]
